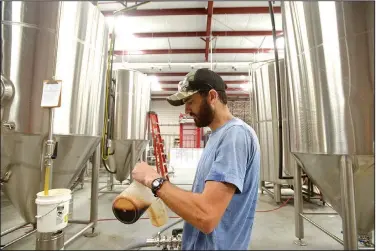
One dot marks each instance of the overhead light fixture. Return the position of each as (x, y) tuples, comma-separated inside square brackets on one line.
[(246, 87), (155, 85)]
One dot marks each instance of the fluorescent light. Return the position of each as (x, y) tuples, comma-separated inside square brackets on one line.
[(155, 85), (246, 87)]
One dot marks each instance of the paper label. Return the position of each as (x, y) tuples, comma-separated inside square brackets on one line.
[(51, 93)]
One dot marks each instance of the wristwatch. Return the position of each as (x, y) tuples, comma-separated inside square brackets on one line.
[(156, 185)]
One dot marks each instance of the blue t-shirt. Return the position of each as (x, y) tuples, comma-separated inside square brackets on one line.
[(232, 155)]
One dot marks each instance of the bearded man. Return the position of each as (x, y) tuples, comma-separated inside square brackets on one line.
[(219, 211)]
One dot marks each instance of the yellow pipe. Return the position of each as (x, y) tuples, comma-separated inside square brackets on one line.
[(46, 180)]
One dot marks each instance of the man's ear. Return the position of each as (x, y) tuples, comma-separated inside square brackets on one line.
[(213, 95)]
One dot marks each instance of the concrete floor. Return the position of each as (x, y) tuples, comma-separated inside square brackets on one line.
[(272, 230)]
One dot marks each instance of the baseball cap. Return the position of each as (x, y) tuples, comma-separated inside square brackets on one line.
[(195, 81)]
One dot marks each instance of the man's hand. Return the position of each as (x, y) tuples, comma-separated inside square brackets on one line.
[(144, 174)]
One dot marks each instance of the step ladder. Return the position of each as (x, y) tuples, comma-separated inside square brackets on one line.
[(158, 147)]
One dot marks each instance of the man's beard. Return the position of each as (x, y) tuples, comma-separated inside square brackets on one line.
[(205, 115)]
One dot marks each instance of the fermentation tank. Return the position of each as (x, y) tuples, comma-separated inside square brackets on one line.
[(130, 120), (330, 57), (43, 40), (265, 119)]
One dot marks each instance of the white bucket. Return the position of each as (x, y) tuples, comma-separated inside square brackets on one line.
[(53, 210)]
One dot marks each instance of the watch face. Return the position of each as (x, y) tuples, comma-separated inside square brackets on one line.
[(155, 183)]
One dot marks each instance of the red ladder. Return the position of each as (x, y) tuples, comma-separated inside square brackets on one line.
[(160, 157)]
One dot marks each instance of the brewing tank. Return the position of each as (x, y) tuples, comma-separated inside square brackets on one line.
[(265, 120), (130, 123), (330, 58), (66, 41)]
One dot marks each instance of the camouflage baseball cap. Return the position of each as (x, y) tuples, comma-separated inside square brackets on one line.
[(195, 81)]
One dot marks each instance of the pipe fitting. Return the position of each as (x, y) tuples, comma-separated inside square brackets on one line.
[(9, 125), (50, 146), (173, 242), (6, 89), (6, 177)]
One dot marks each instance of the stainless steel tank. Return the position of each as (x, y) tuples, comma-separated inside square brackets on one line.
[(330, 57), (41, 40), (265, 121), (132, 103)]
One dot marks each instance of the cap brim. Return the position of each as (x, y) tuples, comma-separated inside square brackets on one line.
[(177, 99)]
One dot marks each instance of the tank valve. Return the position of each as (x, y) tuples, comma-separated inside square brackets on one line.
[(6, 89), (9, 125), (6, 177)]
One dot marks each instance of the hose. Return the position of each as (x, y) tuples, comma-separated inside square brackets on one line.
[(107, 168)]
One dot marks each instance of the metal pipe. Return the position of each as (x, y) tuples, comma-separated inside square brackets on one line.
[(78, 234), (277, 193), (112, 192), (167, 227), (111, 180), (129, 8), (50, 145), (350, 235), (268, 192), (298, 203), (322, 229), (99, 189), (85, 222), (18, 239), (211, 50), (133, 159), (318, 213), (50, 123), (94, 186), (13, 229)]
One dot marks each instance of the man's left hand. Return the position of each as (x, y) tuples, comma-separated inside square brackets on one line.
[(144, 174)]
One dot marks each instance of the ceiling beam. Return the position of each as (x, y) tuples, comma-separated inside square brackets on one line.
[(192, 51), (229, 82), (203, 34), (196, 11), (208, 29), (180, 74)]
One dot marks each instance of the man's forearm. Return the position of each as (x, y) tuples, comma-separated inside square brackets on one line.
[(188, 205)]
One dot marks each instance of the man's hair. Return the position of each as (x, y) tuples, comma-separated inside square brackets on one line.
[(222, 96)]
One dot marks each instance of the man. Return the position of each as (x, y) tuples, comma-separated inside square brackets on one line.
[(219, 211)]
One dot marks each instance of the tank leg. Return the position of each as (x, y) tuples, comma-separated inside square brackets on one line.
[(277, 193), (110, 182), (133, 160), (94, 192), (298, 206), (262, 184), (350, 235)]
